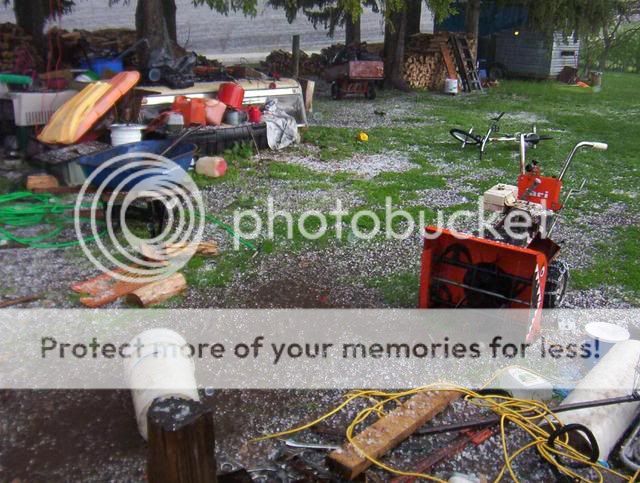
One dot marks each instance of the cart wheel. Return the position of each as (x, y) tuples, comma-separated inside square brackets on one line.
[(557, 281), (335, 91), (371, 91)]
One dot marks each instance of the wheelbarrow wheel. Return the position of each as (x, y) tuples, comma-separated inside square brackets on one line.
[(371, 91), (557, 281), (465, 137), (336, 92)]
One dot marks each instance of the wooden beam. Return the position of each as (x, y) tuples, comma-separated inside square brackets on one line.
[(181, 442), (389, 431), (295, 56)]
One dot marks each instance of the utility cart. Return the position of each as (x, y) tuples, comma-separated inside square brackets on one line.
[(354, 77)]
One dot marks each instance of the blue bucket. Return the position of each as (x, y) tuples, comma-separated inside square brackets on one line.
[(181, 154)]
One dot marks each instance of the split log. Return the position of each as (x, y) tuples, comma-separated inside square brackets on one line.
[(181, 442), (42, 182), (157, 292), (389, 431)]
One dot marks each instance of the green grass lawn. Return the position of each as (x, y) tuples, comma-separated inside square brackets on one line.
[(569, 114)]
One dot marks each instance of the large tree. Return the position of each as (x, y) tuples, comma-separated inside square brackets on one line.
[(395, 34), (32, 15)]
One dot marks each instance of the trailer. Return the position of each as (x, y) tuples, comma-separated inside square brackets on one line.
[(507, 47)]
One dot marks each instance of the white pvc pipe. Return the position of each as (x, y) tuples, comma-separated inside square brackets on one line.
[(613, 376), (158, 367)]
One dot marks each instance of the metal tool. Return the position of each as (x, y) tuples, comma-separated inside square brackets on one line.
[(297, 444), (177, 140)]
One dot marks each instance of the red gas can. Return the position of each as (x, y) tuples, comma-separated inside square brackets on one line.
[(231, 94)]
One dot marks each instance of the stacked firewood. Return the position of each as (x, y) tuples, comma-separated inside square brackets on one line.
[(310, 65), (70, 47), (424, 66), (16, 50)]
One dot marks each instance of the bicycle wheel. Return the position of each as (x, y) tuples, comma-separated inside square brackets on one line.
[(465, 137)]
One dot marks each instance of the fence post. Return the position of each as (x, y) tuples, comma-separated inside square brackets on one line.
[(295, 56), (181, 442)]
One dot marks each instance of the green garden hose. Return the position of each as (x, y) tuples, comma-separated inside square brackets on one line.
[(24, 209)]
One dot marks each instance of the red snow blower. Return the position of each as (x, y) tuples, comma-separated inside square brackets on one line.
[(516, 265)]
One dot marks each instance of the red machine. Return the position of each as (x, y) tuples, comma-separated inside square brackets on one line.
[(519, 270), (355, 77)]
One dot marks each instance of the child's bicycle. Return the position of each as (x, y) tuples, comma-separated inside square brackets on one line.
[(468, 137)]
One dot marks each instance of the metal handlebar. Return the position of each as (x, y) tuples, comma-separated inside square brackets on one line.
[(584, 144)]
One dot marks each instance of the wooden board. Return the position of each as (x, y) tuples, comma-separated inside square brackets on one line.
[(389, 431), (448, 62), (105, 289)]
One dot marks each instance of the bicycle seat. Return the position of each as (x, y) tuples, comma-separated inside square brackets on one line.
[(533, 138)]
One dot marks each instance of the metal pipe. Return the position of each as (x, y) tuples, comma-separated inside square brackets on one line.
[(523, 153), (447, 428), (583, 144)]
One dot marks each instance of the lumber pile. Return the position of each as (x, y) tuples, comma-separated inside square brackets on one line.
[(17, 53)]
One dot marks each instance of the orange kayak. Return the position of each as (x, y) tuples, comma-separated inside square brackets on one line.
[(76, 116)]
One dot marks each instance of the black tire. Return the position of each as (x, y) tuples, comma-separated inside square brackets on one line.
[(371, 91), (496, 72), (335, 91), (465, 137), (557, 281)]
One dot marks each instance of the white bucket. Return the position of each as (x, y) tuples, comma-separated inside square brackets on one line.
[(158, 367), (607, 335), (126, 133), (451, 86)]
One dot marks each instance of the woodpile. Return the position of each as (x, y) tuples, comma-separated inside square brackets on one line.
[(17, 50), (280, 61), (67, 46), (425, 66)]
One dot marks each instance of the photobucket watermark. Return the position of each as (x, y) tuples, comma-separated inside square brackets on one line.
[(391, 223)]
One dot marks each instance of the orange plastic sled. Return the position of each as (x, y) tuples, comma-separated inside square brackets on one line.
[(76, 116)]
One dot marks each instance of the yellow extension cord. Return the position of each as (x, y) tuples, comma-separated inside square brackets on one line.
[(526, 414)]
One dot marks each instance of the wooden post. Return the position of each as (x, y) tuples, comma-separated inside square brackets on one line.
[(181, 442), (295, 56)]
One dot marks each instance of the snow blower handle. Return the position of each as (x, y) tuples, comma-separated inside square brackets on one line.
[(584, 144)]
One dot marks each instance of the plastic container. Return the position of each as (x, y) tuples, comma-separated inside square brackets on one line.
[(607, 335), (103, 65), (451, 86), (158, 368), (181, 154), (214, 111), (231, 94), (192, 110), (126, 133)]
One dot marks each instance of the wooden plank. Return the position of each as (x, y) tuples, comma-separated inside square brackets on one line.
[(389, 431), (448, 62), (20, 300)]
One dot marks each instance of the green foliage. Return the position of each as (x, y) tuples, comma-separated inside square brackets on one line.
[(623, 54), (247, 7)]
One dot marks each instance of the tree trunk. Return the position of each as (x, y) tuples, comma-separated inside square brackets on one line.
[(394, 36), (472, 22), (352, 30), (169, 7), (31, 16), (414, 12), (151, 24)]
